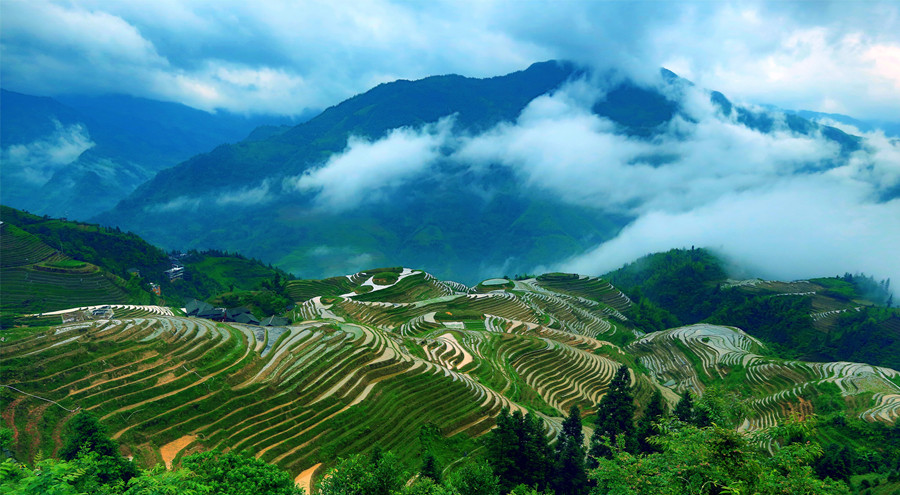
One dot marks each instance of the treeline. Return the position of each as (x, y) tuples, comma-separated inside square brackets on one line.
[(683, 286)]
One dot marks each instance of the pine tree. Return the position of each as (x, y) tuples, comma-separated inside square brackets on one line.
[(656, 409), (518, 451), (430, 468), (615, 418), (501, 444), (684, 410), (569, 477)]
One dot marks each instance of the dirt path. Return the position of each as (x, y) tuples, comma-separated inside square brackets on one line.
[(171, 449), (57, 433), (9, 417), (304, 480), (31, 427)]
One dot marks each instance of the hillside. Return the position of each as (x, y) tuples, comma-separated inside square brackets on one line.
[(55, 149), (111, 257), (831, 319), (397, 358)]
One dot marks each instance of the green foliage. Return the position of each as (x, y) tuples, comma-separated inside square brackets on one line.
[(474, 479), (569, 476), (781, 320), (159, 481), (207, 273), (233, 473), (49, 477), (679, 280), (859, 336), (518, 452), (430, 468), (85, 434), (375, 474), (684, 409), (423, 486), (711, 460), (6, 437), (653, 413), (614, 424)]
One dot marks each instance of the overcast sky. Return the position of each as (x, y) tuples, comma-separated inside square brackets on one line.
[(287, 56)]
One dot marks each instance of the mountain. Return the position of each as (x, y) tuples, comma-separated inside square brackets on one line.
[(57, 150), (397, 358), (395, 176)]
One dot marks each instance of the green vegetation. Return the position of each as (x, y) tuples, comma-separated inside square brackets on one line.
[(467, 389), (43, 256), (688, 286), (678, 281)]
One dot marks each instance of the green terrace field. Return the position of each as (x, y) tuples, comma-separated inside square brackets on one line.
[(228, 270), (35, 278), (377, 357)]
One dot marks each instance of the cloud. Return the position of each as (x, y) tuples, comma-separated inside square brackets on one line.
[(286, 57), (366, 171), (560, 147), (181, 203), (247, 196), (798, 229), (37, 161), (784, 204)]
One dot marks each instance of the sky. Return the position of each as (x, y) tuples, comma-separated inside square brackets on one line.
[(289, 56), (789, 205)]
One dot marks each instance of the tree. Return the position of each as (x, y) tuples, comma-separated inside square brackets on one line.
[(239, 474), (159, 481), (655, 411), (376, 474), (712, 460), (615, 419), (474, 479), (84, 434), (518, 452), (424, 486), (684, 410), (569, 476), (501, 444), (430, 468)]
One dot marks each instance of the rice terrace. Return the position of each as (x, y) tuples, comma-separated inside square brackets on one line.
[(467, 247), (378, 357)]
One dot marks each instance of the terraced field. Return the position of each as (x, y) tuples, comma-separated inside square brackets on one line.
[(378, 356), (689, 358)]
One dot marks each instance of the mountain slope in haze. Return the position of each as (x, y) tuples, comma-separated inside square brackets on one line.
[(57, 151), (403, 174)]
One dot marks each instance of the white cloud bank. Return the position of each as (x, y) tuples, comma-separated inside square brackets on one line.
[(365, 172), (37, 161), (784, 204)]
